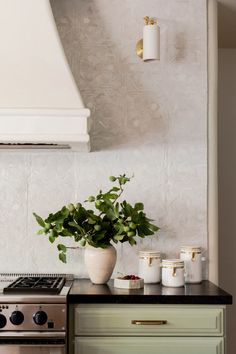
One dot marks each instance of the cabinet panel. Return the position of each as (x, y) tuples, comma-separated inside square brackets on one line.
[(188, 320), (134, 345)]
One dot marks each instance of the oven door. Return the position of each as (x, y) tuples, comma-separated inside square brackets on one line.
[(32, 346), (31, 349)]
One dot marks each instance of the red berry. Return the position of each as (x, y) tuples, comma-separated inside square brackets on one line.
[(130, 277)]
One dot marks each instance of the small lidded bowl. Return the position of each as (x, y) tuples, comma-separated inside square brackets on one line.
[(173, 272)]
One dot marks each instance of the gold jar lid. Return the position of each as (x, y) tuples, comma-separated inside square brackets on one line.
[(172, 263), (191, 249), (149, 254)]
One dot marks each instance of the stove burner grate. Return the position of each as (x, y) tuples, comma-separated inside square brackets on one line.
[(36, 285)]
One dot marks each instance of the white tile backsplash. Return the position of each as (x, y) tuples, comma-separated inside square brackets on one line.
[(149, 119)]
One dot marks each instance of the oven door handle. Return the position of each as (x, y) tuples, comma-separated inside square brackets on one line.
[(62, 346), (33, 334)]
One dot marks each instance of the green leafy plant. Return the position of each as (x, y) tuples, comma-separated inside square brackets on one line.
[(111, 221)]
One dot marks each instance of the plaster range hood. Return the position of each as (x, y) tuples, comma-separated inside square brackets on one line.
[(40, 104)]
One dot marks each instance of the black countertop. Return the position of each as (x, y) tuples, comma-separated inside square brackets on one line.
[(83, 291)]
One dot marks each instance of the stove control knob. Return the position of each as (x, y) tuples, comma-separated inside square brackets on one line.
[(40, 318), (3, 321), (17, 318)]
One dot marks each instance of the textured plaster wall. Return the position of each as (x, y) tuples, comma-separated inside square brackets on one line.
[(149, 119)]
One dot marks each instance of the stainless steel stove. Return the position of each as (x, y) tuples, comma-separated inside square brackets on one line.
[(33, 313)]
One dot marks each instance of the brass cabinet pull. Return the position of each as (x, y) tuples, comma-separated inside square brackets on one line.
[(149, 322)]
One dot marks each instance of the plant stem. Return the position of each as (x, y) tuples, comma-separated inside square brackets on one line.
[(121, 191)]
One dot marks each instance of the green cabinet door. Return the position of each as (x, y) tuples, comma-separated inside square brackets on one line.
[(117, 320), (148, 345)]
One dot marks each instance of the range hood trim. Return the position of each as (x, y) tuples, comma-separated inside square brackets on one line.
[(45, 126)]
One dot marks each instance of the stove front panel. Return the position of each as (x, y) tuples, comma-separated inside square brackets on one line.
[(32, 317)]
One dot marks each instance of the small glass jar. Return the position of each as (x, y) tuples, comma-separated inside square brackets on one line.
[(173, 273), (192, 257), (150, 266)]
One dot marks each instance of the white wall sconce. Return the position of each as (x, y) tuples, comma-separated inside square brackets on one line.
[(148, 48)]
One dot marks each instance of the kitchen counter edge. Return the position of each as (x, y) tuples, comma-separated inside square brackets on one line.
[(83, 291)]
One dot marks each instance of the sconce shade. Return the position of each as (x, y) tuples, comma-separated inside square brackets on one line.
[(151, 42)]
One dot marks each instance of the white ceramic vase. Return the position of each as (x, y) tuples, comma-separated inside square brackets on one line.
[(100, 263)]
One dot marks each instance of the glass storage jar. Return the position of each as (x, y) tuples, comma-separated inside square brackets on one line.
[(192, 257), (150, 266), (173, 272)]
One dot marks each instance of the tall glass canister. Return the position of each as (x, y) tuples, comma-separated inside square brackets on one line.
[(192, 257)]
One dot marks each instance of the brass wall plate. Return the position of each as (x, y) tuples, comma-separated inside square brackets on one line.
[(139, 48)]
